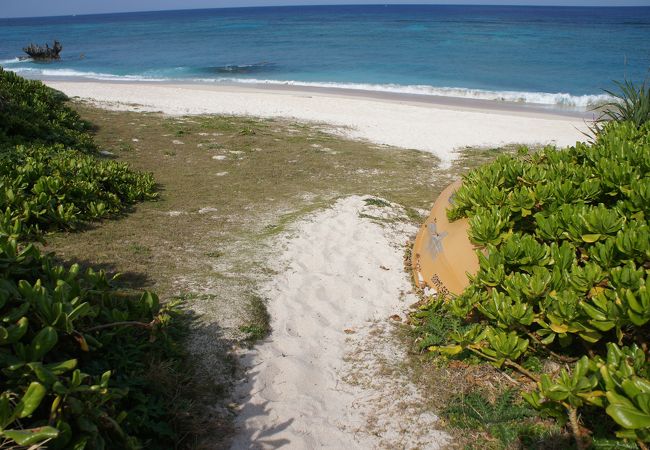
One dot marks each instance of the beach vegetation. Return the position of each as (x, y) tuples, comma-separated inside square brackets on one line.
[(631, 103), (259, 324), (378, 202), (509, 420), (76, 351), (563, 243), (50, 187), (32, 113)]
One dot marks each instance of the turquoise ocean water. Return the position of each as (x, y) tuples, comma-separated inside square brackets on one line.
[(549, 55)]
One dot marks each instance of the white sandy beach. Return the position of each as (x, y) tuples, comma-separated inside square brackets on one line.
[(436, 128)]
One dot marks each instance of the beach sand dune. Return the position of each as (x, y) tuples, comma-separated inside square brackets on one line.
[(439, 128), (315, 383)]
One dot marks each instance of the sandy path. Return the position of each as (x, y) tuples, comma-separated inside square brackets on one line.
[(436, 128), (339, 278)]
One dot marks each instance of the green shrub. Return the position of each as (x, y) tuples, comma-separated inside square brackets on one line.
[(564, 253), (48, 179), (48, 187), (76, 354), (31, 112)]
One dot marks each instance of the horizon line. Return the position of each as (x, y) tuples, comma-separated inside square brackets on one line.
[(322, 5)]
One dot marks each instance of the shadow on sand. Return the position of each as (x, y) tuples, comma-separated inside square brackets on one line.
[(246, 437)]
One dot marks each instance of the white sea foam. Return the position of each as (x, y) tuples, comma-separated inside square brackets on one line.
[(11, 61), (564, 100), (541, 98), (71, 73)]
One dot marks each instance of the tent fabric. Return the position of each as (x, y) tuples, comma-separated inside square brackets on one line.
[(443, 254)]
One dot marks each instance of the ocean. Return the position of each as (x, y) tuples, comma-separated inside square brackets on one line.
[(559, 56)]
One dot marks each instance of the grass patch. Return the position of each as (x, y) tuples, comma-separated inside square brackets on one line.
[(504, 417), (434, 324), (125, 147), (288, 218), (371, 201), (140, 249), (259, 325), (375, 218)]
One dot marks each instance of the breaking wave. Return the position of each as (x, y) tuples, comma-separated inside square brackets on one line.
[(71, 73), (561, 100), (12, 61), (540, 98)]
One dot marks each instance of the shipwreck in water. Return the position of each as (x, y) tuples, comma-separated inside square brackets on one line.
[(45, 53)]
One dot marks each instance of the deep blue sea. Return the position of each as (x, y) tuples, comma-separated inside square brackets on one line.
[(551, 55)]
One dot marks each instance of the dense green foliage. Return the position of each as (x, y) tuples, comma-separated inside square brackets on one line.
[(30, 112), (76, 354), (49, 187), (49, 178), (71, 369), (564, 252)]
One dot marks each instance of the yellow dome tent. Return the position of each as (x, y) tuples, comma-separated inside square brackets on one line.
[(442, 253)]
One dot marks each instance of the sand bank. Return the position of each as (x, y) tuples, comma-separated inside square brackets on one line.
[(437, 127), (339, 278)]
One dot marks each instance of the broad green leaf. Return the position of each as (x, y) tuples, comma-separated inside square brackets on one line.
[(447, 349), (44, 341), (596, 398), (5, 411), (590, 336), (627, 416), (559, 327), (43, 374), (62, 367), (30, 400), (31, 436)]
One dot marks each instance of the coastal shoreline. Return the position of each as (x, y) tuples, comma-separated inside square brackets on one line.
[(440, 101), (440, 125)]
